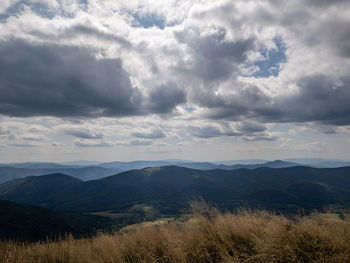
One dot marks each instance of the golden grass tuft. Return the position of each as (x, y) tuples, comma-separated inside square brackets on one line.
[(209, 236)]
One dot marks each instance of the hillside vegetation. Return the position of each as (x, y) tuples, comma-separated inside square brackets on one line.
[(31, 223), (209, 236), (169, 190)]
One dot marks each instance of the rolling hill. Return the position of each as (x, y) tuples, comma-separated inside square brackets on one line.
[(169, 190), (84, 173)]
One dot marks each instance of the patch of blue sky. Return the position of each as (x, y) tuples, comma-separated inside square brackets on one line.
[(149, 20), (272, 60), (40, 9)]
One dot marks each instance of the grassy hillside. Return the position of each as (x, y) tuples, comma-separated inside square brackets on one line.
[(169, 190), (29, 223), (207, 237)]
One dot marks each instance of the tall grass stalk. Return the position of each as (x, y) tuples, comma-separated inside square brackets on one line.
[(209, 236)]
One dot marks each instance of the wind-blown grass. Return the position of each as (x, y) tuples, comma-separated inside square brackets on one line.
[(209, 236)]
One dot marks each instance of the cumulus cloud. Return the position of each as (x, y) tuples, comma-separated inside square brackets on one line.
[(213, 56), (33, 137), (207, 63), (92, 143), (62, 81), (6, 4), (154, 134), (165, 98), (251, 127), (84, 133), (261, 137), (210, 131), (205, 132)]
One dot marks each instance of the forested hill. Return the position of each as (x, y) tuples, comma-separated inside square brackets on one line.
[(170, 189)]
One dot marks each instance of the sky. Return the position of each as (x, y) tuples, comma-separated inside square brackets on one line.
[(202, 80)]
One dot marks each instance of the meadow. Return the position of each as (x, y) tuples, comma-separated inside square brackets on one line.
[(208, 236)]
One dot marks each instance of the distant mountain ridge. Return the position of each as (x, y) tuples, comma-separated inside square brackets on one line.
[(195, 165), (84, 173), (100, 170), (170, 189)]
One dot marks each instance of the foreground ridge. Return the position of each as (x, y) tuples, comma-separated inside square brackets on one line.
[(208, 236)]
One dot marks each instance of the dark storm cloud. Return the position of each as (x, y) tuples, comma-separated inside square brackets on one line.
[(77, 30), (62, 81), (205, 132), (327, 3), (335, 32), (214, 57), (320, 99), (165, 98), (65, 81), (251, 127), (300, 19), (211, 131), (84, 134), (155, 134), (249, 102)]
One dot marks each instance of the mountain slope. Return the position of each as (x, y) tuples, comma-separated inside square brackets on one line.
[(26, 222), (170, 189), (84, 173), (272, 164), (47, 190)]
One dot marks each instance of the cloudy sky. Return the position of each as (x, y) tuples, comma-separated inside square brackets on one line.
[(192, 79)]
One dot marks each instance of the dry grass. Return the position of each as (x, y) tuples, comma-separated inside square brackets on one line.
[(209, 237)]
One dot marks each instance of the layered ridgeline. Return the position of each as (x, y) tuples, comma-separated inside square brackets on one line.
[(169, 190), (98, 171), (84, 173), (198, 165), (92, 170)]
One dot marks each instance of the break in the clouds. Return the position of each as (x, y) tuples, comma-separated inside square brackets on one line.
[(113, 74)]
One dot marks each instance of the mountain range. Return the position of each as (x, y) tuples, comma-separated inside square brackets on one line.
[(85, 170), (84, 173), (195, 165), (169, 190)]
